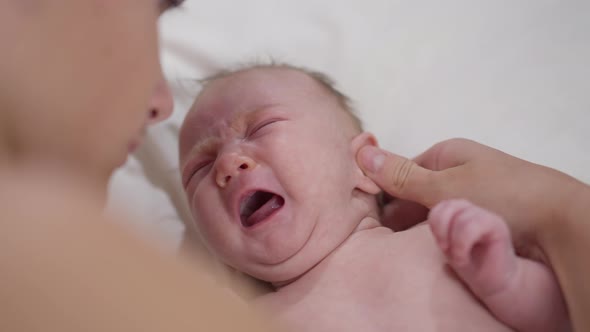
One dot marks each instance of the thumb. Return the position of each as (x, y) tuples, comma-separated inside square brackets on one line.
[(398, 176)]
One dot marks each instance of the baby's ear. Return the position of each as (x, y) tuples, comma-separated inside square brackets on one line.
[(363, 182)]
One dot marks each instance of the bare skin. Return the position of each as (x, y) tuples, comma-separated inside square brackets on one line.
[(80, 81), (545, 210), (521, 292), (379, 280), (54, 111), (67, 268), (384, 281), (266, 205)]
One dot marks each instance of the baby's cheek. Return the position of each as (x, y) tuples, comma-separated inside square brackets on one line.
[(202, 210), (210, 223)]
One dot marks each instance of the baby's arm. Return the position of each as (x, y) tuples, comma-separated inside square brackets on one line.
[(520, 292)]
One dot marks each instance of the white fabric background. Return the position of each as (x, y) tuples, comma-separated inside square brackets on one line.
[(511, 74)]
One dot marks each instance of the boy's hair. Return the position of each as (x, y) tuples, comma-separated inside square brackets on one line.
[(322, 79)]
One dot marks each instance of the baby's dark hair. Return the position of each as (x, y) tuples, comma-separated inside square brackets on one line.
[(322, 79)]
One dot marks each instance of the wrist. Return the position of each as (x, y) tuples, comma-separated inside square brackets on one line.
[(568, 216), (565, 242)]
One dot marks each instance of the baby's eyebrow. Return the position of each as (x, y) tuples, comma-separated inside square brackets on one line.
[(200, 146), (205, 144), (260, 109)]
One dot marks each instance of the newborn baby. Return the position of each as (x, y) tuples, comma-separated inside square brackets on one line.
[(268, 165)]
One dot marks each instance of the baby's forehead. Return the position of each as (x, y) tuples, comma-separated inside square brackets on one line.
[(263, 82), (250, 89), (227, 97)]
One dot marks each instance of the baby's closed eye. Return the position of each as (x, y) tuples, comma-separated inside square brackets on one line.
[(260, 128), (194, 168)]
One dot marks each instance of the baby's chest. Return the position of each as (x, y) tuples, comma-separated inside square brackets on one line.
[(383, 289), (360, 301)]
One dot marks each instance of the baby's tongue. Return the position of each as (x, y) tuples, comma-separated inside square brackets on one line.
[(264, 211)]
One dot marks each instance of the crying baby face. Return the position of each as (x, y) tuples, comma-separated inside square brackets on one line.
[(268, 170)]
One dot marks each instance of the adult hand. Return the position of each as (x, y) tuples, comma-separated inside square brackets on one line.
[(527, 195)]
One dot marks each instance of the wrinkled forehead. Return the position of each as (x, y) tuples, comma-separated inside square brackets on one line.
[(238, 92), (226, 99)]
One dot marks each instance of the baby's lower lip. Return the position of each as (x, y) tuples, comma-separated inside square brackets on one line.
[(264, 212)]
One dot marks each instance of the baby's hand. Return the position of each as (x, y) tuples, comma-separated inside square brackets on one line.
[(476, 243), (522, 293)]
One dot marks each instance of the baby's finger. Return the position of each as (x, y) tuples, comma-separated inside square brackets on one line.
[(473, 227), (466, 232), (440, 219)]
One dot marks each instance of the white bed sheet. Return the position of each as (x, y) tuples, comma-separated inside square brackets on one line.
[(510, 74)]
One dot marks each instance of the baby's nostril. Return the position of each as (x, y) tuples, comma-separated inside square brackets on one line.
[(153, 114), (244, 166), (227, 178)]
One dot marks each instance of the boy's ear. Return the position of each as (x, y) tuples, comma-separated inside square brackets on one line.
[(363, 183)]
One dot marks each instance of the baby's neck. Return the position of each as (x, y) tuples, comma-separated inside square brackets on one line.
[(366, 224)]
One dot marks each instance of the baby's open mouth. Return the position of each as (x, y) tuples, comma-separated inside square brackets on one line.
[(259, 206)]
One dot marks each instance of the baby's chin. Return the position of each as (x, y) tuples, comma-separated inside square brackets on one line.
[(281, 284), (287, 272), (289, 260), (279, 276)]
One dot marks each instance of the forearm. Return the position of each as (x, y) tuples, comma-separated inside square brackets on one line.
[(566, 243), (532, 301)]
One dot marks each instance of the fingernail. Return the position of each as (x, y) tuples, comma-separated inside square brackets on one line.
[(372, 159)]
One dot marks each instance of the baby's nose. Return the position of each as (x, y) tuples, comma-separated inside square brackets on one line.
[(230, 166)]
